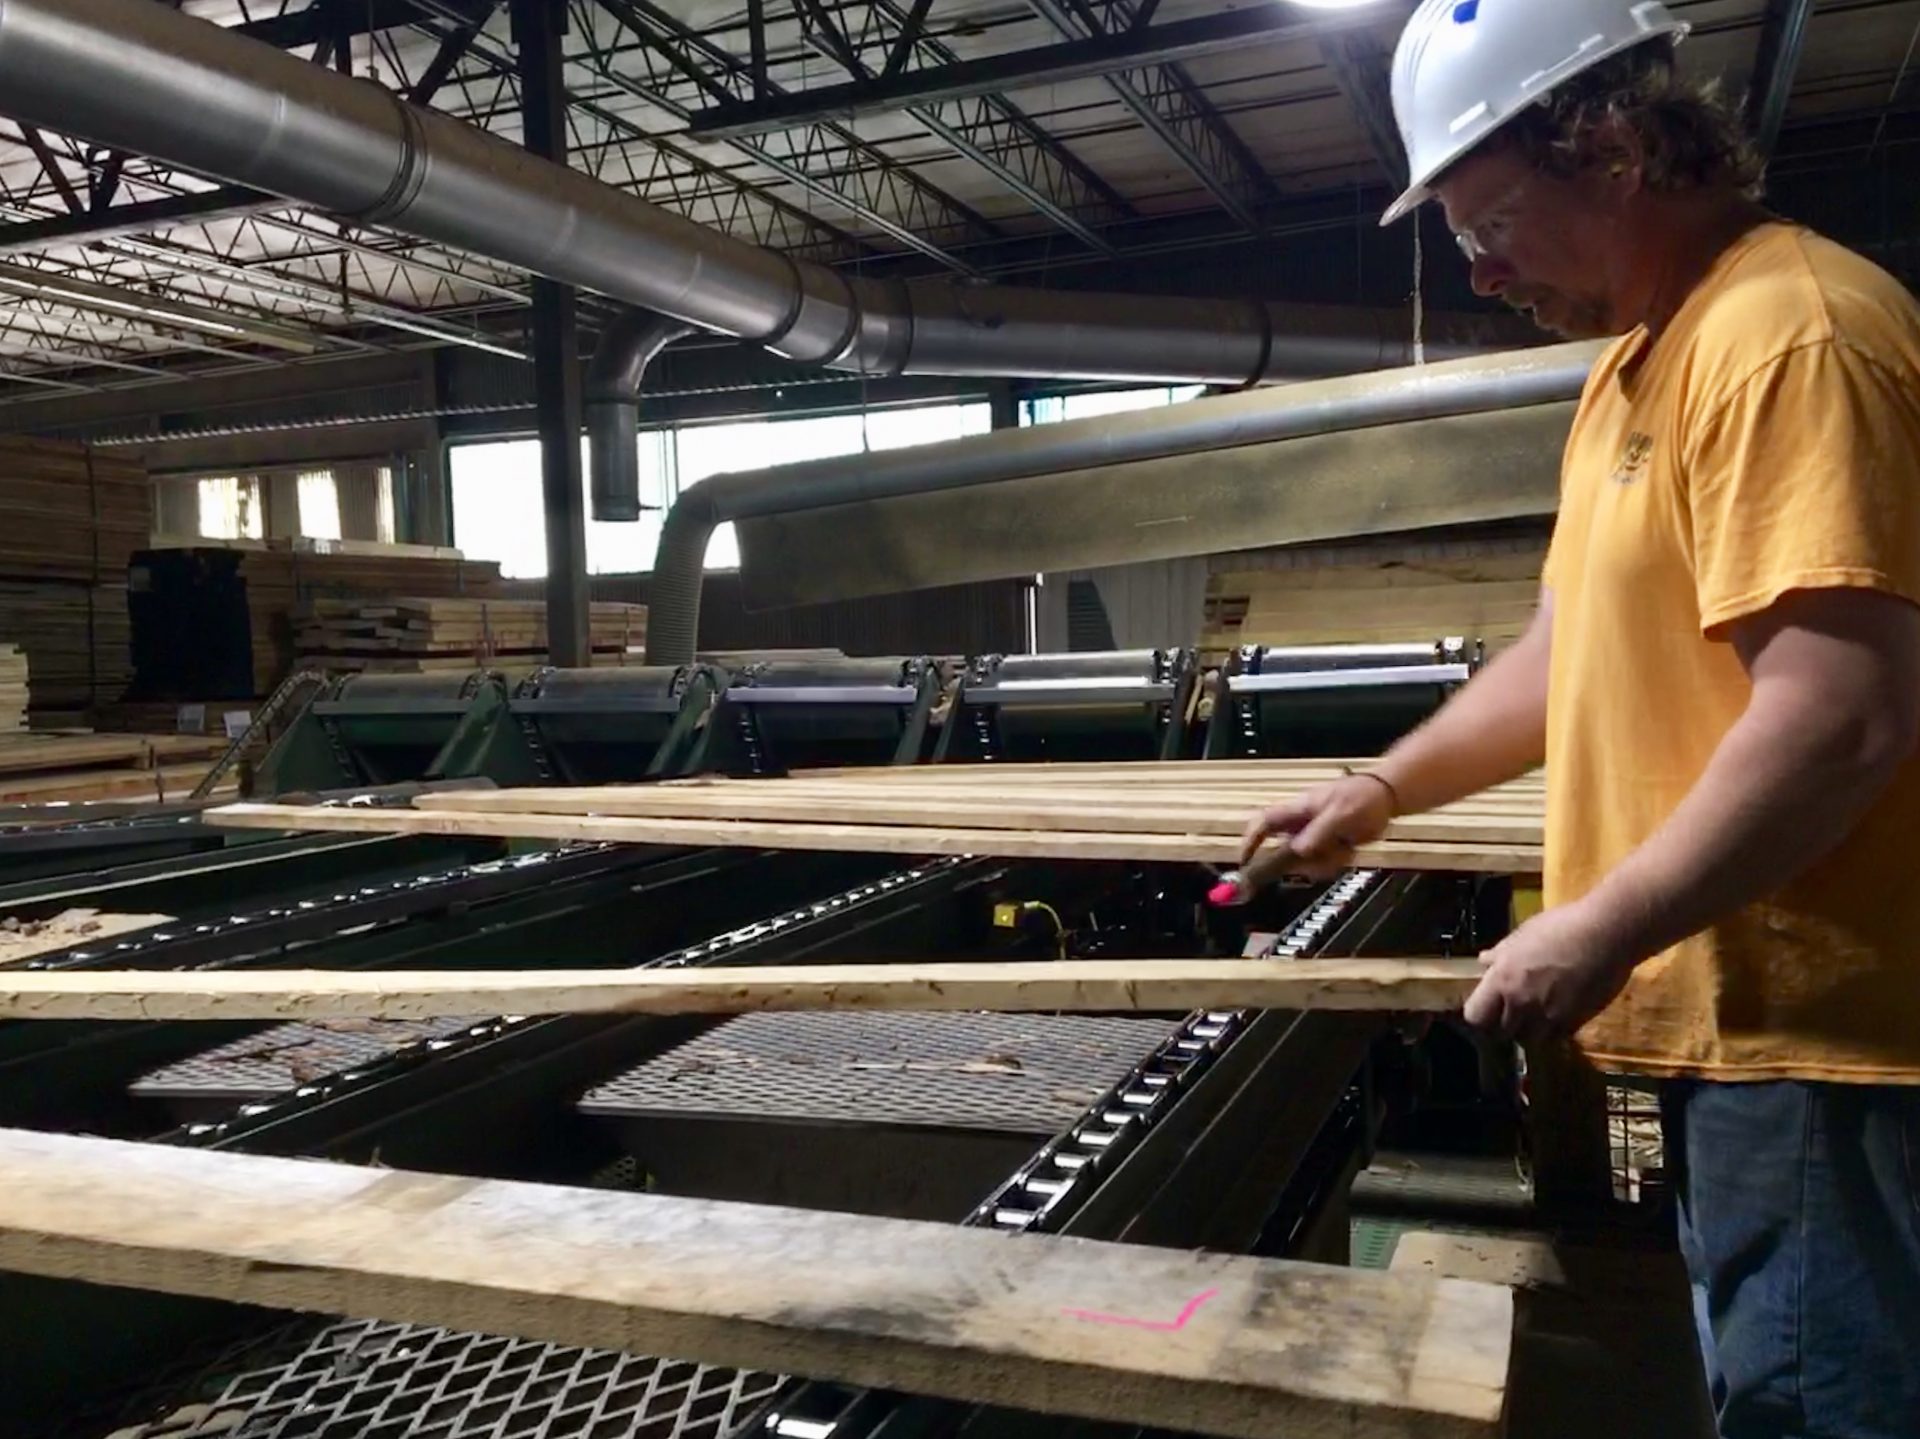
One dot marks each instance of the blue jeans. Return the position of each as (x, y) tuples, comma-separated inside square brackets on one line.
[(1800, 1224)]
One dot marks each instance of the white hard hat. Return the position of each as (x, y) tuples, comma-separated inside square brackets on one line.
[(1465, 67)]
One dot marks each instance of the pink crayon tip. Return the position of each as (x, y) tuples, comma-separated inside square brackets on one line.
[(1224, 894)]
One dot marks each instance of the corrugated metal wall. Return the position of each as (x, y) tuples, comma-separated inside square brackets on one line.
[(988, 618), (1149, 606)]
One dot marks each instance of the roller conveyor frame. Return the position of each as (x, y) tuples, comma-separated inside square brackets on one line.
[(1158, 684), (1303, 682)]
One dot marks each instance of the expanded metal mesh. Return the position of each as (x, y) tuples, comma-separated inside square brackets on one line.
[(361, 1379), (1031, 1074), (286, 1056)]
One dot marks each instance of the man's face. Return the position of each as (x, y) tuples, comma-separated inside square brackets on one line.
[(1536, 241)]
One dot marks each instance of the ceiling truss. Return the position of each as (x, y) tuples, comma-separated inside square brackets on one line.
[(876, 133)]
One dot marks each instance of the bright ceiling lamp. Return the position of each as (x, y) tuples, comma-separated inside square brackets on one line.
[(1333, 4)]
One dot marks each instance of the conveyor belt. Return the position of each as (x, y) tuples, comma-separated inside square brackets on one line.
[(276, 1060), (1023, 1074)]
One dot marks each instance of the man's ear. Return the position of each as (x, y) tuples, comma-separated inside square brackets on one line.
[(1620, 155)]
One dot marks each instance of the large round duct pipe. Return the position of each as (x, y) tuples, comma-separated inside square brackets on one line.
[(1533, 377), (142, 77), (611, 396)]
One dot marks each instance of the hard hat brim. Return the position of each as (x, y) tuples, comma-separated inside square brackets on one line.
[(1413, 199)]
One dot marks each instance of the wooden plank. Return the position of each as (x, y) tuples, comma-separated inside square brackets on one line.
[(850, 838), (789, 800), (1087, 986), (1220, 1344), (62, 752)]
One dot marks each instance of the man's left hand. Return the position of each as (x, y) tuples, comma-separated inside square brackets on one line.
[(1550, 976)]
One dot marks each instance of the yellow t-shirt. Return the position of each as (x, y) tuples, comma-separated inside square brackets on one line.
[(1769, 441)]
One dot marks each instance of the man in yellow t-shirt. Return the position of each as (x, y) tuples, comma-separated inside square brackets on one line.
[(1723, 680)]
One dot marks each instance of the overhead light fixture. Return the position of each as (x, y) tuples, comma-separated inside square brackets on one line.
[(1333, 4), (86, 295)]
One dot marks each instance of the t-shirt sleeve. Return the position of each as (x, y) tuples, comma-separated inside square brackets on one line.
[(1806, 477)]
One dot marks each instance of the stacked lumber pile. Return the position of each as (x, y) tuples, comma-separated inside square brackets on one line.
[(165, 717), (1373, 595), (73, 768), (70, 512), (1176, 812), (70, 518), (416, 635), (78, 643), (216, 623), (14, 688)]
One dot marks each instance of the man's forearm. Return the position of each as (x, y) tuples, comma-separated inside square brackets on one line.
[(1493, 730), (1785, 786)]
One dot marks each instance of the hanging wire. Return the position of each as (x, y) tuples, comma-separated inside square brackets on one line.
[(1419, 292)]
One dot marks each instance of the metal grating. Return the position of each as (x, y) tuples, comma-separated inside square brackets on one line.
[(1004, 1072), (287, 1056), (366, 1380)]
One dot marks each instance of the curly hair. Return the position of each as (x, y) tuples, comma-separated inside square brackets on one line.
[(1691, 136)]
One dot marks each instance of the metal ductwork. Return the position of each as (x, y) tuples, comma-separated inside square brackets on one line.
[(1541, 380), (611, 396), (137, 76)]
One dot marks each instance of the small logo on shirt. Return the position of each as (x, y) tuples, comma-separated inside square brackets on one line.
[(1633, 461)]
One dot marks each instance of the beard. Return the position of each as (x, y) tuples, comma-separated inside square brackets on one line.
[(1571, 317)]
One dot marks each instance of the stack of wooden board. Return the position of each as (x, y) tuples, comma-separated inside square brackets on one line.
[(1128, 1333), (70, 768), (77, 640), (70, 518), (70, 512), (14, 688), (1177, 811), (420, 634), (218, 624), (1485, 591)]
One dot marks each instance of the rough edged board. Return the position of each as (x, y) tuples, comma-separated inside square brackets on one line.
[(1221, 1344), (1068, 812), (852, 838), (1087, 986)]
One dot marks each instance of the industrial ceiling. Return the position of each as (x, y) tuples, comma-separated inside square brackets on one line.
[(973, 138)]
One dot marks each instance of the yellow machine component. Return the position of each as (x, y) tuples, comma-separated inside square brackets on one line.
[(1009, 916)]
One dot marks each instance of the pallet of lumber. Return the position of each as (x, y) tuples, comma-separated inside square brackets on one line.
[(69, 511), (386, 634), (1375, 595), (15, 688), (1150, 986), (211, 623), (1177, 813), (70, 768), (1146, 1336), (77, 639)]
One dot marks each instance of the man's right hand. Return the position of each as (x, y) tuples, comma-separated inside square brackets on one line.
[(1324, 825)]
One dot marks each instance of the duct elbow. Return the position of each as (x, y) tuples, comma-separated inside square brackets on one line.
[(615, 378)]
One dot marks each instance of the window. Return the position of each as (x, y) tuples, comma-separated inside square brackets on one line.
[(1050, 409), (498, 514), (230, 508), (319, 505)]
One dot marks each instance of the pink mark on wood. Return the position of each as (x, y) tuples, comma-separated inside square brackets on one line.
[(1158, 1326)]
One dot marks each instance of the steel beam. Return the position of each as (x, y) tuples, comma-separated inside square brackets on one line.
[(50, 167), (1361, 68), (994, 133), (539, 30), (322, 21), (827, 159), (1116, 48), (1165, 99), (139, 218), (1783, 36)]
